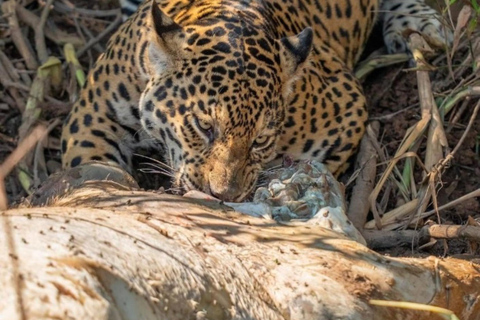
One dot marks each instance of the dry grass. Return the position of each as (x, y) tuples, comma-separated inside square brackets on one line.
[(448, 90)]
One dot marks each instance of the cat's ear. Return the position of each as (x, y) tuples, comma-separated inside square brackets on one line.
[(166, 41), (295, 50)]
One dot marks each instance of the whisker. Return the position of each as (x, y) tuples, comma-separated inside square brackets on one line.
[(156, 165), (150, 170), (139, 131), (153, 167), (163, 164)]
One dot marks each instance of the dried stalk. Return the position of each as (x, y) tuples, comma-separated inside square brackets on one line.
[(57, 36), (14, 158), (367, 164), (40, 33), (9, 8), (6, 78), (112, 26)]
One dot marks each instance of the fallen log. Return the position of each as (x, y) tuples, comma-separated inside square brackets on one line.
[(103, 252)]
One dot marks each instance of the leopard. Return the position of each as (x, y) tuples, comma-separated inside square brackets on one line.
[(222, 88)]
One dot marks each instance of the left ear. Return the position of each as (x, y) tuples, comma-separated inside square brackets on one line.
[(294, 51), (166, 41)]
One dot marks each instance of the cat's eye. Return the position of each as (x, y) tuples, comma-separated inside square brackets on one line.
[(261, 141), (205, 127)]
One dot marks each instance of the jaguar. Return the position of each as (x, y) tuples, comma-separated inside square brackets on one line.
[(221, 88)]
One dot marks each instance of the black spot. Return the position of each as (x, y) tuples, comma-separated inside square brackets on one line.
[(347, 147), (87, 120), (90, 96), (76, 161), (197, 79), (203, 42), (290, 122), (64, 146), (191, 40), (261, 83), (160, 115), (191, 90), (347, 86), (123, 91), (111, 157), (160, 93), (98, 133), (74, 127), (332, 132), (134, 111), (222, 47), (149, 106), (182, 109), (183, 94), (308, 145), (87, 144)]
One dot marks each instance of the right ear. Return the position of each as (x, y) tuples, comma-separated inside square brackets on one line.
[(167, 39), (294, 53)]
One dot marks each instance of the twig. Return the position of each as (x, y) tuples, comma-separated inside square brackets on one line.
[(473, 194), (436, 141), (118, 20), (369, 65), (6, 138), (24, 73), (7, 166), (5, 79), (414, 306), (414, 133), (76, 67), (40, 173), (57, 36), (393, 219), (469, 91), (393, 114), (25, 88), (367, 164), (381, 239), (464, 135), (402, 152), (40, 34), (21, 43), (11, 105), (436, 135), (453, 232), (9, 67), (63, 8), (82, 36), (440, 167), (456, 117), (96, 46)]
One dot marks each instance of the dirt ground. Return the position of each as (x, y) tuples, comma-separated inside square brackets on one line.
[(393, 100)]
